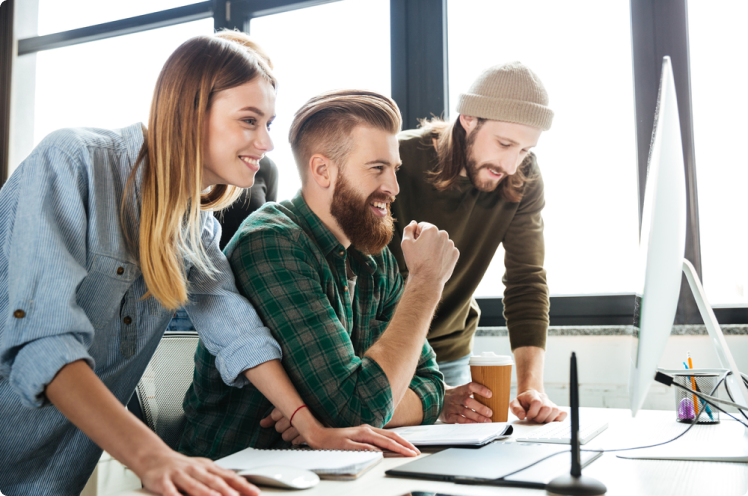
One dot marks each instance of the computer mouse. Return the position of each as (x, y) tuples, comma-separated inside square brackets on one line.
[(280, 476)]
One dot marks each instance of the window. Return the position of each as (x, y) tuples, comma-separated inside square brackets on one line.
[(581, 50), (717, 41), (107, 83), (56, 15), (338, 45)]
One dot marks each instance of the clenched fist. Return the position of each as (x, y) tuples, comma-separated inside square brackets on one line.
[(429, 253)]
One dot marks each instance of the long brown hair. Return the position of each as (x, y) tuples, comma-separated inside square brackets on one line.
[(171, 195), (452, 146)]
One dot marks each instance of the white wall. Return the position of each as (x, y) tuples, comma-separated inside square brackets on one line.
[(603, 366)]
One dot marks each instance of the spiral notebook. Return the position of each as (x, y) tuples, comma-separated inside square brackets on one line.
[(327, 464), (462, 435)]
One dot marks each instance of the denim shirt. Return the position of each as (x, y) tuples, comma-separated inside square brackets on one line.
[(70, 290)]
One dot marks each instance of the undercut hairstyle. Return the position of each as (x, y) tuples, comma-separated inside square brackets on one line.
[(325, 122), (452, 147), (170, 198)]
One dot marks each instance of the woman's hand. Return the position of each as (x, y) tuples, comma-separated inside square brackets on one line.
[(172, 474), (81, 396), (363, 437)]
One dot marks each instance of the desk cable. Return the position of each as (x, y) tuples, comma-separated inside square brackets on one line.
[(707, 398), (668, 381), (745, 381)]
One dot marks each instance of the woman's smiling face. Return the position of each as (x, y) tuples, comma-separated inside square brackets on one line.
[(236, 133)]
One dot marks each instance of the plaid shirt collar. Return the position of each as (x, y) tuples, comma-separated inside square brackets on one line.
[(324, 238)]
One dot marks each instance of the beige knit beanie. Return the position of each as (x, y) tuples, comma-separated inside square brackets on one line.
[(509, 92)]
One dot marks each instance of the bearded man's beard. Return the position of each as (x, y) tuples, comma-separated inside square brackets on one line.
[(368, 233), (472, 170)]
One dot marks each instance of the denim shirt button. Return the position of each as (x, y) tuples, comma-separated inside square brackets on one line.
[(127, 320), (19, 314), (120, 271)]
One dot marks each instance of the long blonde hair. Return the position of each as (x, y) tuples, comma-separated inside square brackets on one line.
[(171, 196)]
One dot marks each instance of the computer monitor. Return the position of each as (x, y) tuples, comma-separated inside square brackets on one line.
[(662, 248)]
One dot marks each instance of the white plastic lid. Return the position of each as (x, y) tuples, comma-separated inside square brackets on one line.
[(490, 358)]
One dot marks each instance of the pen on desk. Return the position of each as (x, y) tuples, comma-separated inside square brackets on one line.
[(706, 405), (693, 386)]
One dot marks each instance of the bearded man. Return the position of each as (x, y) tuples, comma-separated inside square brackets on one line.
[(318, 271), (477, 179)]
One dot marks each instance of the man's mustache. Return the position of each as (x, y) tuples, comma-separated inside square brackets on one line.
[(381, 198), (489, 165)]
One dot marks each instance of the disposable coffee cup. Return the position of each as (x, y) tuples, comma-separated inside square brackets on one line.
[(495, 372)]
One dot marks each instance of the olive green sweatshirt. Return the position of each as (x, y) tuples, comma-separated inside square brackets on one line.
[(477, 222)]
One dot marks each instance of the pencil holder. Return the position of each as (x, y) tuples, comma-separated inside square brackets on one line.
[(687, 405)]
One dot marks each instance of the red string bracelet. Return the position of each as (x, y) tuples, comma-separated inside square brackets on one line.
[(294, 414)]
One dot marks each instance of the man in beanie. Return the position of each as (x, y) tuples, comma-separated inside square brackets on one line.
[(477, 179)]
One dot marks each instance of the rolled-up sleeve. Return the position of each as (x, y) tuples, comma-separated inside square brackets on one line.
[(227, 322), (428, 384), (44, 247)]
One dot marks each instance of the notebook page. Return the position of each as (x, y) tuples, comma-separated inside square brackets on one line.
[(452, 433), (326, 462)]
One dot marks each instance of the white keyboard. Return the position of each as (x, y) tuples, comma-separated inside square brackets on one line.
[(560, 432)]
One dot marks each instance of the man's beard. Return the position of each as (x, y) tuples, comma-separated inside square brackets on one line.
[(472, 169), (368, 233)]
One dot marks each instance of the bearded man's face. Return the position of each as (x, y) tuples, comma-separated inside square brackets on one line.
[(495, 149), (368, 231), (365, 186)]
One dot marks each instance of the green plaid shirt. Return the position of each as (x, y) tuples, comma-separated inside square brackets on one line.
[(293, 269)]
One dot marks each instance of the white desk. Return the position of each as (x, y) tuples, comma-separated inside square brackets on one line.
[(621, 476)]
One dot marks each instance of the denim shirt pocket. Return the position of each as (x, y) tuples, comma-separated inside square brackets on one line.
[(101, 291)]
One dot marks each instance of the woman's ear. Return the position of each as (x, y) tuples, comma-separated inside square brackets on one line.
[(320, 169)]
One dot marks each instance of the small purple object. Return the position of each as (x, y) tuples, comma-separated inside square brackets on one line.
[(686, 410)]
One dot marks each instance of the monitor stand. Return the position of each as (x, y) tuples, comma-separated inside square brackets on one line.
[(575, 484), (723, 443)]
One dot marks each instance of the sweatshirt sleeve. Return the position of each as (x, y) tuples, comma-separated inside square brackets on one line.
[(526, 302)]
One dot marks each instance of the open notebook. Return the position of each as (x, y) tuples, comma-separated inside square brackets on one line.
[(326, 464), (463, 435)]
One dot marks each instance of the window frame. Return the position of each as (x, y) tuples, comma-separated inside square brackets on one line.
[(420, 87), (6, 66)]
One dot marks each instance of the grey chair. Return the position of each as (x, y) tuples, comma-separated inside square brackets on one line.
[(158, 397)]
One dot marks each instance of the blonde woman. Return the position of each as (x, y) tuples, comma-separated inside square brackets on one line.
[(103, 234)]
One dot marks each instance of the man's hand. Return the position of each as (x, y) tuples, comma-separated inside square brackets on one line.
[(531, 403), (363, 437), (535, 406), (461, 408), (428, 252)]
